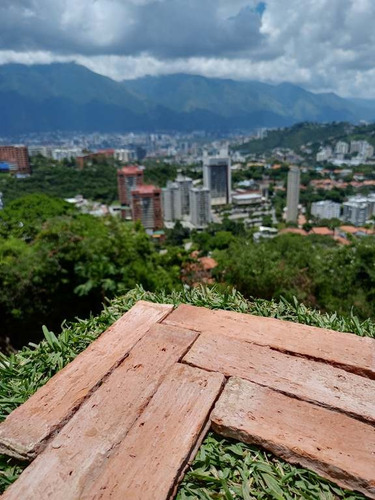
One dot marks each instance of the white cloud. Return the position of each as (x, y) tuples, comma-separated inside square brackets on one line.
[(324, 45)]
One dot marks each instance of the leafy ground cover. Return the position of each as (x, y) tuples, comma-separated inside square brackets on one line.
[(222, 469)]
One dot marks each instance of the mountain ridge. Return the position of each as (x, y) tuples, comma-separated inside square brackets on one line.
[(68, 97)]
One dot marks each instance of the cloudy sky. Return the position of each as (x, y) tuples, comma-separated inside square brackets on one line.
[(323, 45)]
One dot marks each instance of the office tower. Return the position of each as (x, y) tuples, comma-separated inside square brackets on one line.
[(18, 155), (128, 178), (217, 178), (146, 206), (200, 207), (293, 194)]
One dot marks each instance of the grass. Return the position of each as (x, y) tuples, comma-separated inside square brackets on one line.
[(218, 472), (228, 470)]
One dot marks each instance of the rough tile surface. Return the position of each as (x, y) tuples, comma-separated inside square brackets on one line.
[(332, 444), (152, 457), (306, 379), (351, 352), (25, 431), (124, 419), (77, 454)]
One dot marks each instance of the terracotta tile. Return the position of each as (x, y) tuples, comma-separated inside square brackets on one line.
[(306, 379), (25, 431), (83, 446), (151, 459), (332, 444), (351, 352)]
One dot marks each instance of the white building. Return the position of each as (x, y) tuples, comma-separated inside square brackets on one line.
[(184, 186), (217, 177), (40, 150), (324, 154), (124, 155), (326, 209), (176, 199), (66, 153), (200, 207), (363, 148), (359, 209), (247, 199), (342, 148), (292, 200), (172, 202), (355, 211)]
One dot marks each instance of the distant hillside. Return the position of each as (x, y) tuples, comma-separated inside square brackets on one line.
[(285, 103), (70, 97), (303, 133)]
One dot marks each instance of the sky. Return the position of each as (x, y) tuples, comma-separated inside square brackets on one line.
[(322, 45)]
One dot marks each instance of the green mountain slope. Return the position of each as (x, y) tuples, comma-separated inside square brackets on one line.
[(70, 97), (227, 98)]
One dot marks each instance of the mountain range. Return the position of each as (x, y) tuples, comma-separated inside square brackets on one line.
[(69, 97)]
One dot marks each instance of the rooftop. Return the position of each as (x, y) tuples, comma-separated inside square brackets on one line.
[(130, 170), (143, 395), (146, 189), (323, 231)]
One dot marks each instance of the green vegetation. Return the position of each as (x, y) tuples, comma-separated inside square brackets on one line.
[(296, 136), (63, 179), (314, 269), (56, 264), (159, 173), (228, 470), (222, 469), (309, 133)]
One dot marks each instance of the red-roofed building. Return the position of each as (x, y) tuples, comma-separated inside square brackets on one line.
[(128, 178), (146, 206), (322, 231), (293, 230), (349, 229)]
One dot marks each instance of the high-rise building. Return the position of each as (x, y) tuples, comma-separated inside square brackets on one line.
[(342, 148), (172, 202), (355, 211), (184, 185), (128, 178), (176, 198), (146, 206), (326, 209), (217, 178), (125, 155), (293, 194), (363, 148), (18, 155), (358, 209), (200, 207)]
